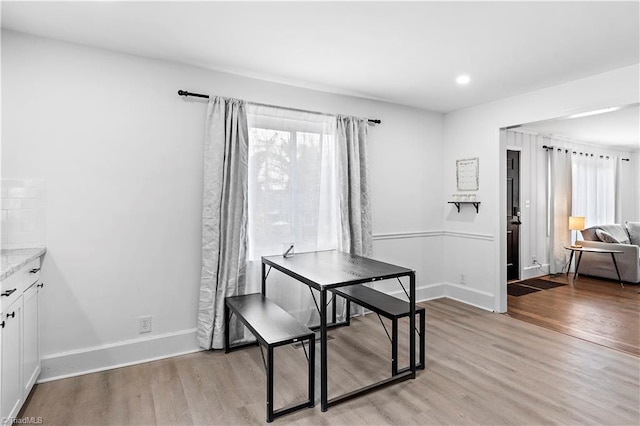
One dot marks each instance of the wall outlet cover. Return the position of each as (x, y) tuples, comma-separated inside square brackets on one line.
[(144, 324)]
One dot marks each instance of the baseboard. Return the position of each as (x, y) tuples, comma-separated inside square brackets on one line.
[(470, 296), (477, 298), (137, 351), (424, 292), (535, 271), (121, 354)]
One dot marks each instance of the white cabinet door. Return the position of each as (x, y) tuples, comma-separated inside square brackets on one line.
[(11, 359), (30, 338)]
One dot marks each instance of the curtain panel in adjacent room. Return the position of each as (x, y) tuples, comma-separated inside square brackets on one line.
[(559, 208), (224, 217)]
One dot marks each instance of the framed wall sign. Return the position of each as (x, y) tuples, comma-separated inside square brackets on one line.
[(467, 174)]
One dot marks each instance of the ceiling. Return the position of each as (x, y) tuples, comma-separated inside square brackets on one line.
[(403, 52), (617, 129)]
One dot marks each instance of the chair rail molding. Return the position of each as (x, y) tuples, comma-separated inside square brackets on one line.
[(404, 235), (469, 235), (429, 234)]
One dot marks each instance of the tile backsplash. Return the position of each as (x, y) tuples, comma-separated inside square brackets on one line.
[(22, 209)]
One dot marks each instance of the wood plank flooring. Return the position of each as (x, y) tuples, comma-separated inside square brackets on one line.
[(600, 311), (482, 368)]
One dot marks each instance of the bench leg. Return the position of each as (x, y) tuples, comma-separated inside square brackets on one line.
[(226, 328), (312, 370), (422, 343), (394, 347), (334, 305), (269, 384), (423, 339)]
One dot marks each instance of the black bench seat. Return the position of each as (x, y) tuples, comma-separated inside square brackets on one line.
[(272, 326), (391, 308)]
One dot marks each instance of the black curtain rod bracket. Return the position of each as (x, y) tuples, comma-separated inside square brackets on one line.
[(198, 95)]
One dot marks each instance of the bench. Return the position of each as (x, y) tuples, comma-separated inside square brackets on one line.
[(391, 308), (272, 326)]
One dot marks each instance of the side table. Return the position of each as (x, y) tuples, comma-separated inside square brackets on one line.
[(581, 250)]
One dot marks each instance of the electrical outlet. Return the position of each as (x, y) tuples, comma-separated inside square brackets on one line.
[(534, 260), (144, 324), (462, 279)]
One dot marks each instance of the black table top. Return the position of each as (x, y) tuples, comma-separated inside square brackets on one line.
[(334, 268)]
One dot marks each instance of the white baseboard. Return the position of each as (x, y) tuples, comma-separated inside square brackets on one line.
[(115, 355), (477, 298), (424, 292), (137, 351), (535, 271)]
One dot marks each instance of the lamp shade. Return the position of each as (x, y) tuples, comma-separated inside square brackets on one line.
[(576, 223)]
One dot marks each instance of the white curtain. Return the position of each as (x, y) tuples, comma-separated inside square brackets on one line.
[(355, 204), (224, 218), (594, 188), (559, 191), (293, 196)]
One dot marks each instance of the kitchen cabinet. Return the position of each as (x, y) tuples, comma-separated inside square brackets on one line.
[(30, 337), (20, 337), (11, 391)]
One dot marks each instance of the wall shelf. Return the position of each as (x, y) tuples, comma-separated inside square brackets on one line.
[(475, 204)]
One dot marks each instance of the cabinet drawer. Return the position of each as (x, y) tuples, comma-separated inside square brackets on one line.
[(18, 282)]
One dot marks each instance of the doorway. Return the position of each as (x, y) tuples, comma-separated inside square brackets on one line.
[(513, 215)]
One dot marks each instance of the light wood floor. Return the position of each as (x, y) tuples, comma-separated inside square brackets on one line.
[(600, 311), (482, 368)]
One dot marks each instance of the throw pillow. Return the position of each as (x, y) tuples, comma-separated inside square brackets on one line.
[(606, 237), (633, 229), (618, 232), (589, 234)]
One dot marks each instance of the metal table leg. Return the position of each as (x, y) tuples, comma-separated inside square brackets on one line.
[(412, 324), (323, 351), (570, 259), (617, 271), (575, 273)]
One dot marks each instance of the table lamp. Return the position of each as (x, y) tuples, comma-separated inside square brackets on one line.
[(576, 223)]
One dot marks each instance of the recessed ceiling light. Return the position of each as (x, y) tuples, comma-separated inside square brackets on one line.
[(598, 111), (463, 79)]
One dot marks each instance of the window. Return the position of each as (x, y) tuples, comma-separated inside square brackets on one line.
[(293, 195), (292, 181), (593, 188)]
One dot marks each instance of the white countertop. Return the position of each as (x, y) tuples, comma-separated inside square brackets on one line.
[(13, 259)]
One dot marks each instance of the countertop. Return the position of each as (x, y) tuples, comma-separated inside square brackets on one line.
[(13, 259)]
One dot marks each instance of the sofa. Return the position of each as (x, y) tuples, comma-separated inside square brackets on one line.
[(625, 238)]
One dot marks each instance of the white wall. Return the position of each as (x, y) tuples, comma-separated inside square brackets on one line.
[(474, 132), (121, 155), (629, 179)]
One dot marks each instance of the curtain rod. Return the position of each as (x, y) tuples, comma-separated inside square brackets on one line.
[(198, 95), (581, 153)]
